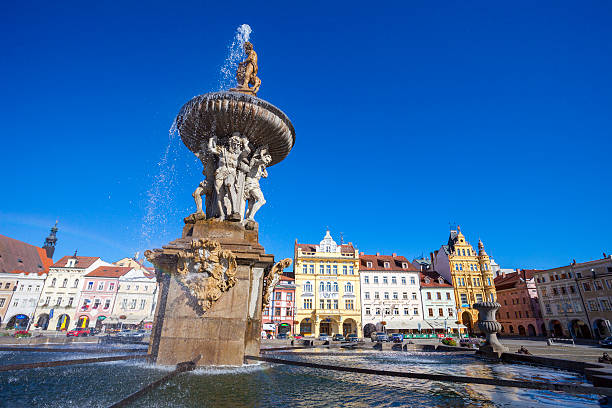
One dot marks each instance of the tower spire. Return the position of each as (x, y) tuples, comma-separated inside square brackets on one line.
[(51, 241)]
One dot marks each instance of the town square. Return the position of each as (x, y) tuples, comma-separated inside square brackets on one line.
[(337, 205)]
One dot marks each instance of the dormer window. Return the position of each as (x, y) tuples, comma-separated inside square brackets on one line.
[(440, 280), (404, 265), (427, 280), (369, 264), (71, 263), (387, 265)]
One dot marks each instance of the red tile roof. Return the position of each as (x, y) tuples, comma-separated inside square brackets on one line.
[(378, 263), (83, 262), (510, 280), (17, 255), (434, 280), (109, 271)]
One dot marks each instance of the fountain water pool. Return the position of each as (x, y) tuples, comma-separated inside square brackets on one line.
[(99, 385)]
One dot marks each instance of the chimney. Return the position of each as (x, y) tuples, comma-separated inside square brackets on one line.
[(378, 254), (394, 254), (361, 254), (431, 256)]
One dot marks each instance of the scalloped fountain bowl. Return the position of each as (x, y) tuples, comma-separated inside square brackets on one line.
[(222, 113)]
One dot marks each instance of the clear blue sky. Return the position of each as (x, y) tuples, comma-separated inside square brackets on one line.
[(409, 116)]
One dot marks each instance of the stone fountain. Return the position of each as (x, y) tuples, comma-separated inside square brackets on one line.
[(489, 325), (216, 278)]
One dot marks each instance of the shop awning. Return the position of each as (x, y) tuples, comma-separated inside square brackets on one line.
[(406, 325), (269, 326), (114, 320)]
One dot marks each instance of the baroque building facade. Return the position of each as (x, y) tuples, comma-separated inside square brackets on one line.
[(390, 294), (469, 272), (327, 288), (595, 285), (439, 307)]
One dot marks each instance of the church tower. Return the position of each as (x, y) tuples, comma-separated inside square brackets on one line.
[(50, 242)]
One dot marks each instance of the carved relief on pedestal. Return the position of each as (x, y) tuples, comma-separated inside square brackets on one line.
[(271, 278), (204, 269)]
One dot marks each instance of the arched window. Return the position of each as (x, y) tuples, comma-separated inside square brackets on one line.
[(65, 283), (322, 286), (348, 287), (53, 282), (335, 286), (308, 286), (329, 286), (76, 283)]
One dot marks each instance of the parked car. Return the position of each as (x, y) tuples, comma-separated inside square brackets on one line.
[(338, 337), (298, 336), (352, 338), (379, 336), (137, 333), (124, 333), (397, 338), (324, 337), (607, 342), (78, 333), (93, 331)]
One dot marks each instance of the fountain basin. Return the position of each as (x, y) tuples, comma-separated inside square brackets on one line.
[(222, 113)]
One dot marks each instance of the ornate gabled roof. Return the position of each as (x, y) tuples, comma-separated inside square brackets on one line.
[(83, 262), (378, 263)]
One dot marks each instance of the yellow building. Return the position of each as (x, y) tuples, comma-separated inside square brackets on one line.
[(469, 272), (327, 288)]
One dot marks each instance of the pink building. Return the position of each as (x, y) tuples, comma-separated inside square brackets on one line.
[(98, 295), (278, 317), (520, 313)]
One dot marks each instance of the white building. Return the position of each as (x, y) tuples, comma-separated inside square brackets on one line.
[(57, 305), (390, 294), (439, 308), (25, 298), (136, 299)]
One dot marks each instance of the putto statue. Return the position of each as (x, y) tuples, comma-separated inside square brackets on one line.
[(232, 178), (247, 72)]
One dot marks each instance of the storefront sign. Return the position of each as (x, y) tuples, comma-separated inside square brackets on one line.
[(21, 316)]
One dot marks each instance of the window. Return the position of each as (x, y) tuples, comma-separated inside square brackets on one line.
[(428, 295), (489, 281), (395, 311), (430, 311), (366, 295), (464, 299), (101, 286), (348, 287), (47, 300), (366, 280), (349, 304), (478, 298), (304, 268), (111, 286), (395, 295), (124, 304), (344, 269), (21, 287), (586, 286), (29, 288), (440, 312), (378, 311), (598, 285), (385, 280), (312, 268), (555, 291), (387, 311), (475, 282), (329, 303), (448, 296), (89, 285), (266, 312), (328, 269), (572, 289), (405, 295), (387, 265), (106, 304), (289, 297), (15, 303), (403, 280), (369, 264), (96, 304), (414, 296), (277, 311), (322, 287), (321, 303), (307, 287), (321, 269), (288, 312), (64, 283), (335, 269), (593, 306), (351, 270), (277, 296), (405, 311), (438, 296), (335, 286), (412, 281), (59, 301), (70, 300), (415, 311), (2, 302), (335, 303), (328, 286), (307, 303), (450, 312), (376, 295), (492, 298), (393, 280), (367, 311), (386, 295), (133, 304), (376, 280), (605, 305)]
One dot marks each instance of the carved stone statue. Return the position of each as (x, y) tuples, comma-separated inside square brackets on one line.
[(252, 190), (247, 72), (206, 187), (271, 278), (225, 175)]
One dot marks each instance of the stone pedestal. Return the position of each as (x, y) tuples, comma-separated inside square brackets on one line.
[(221, 325), (488, 324)]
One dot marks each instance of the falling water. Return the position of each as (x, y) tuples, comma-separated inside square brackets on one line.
[(235, 53)]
